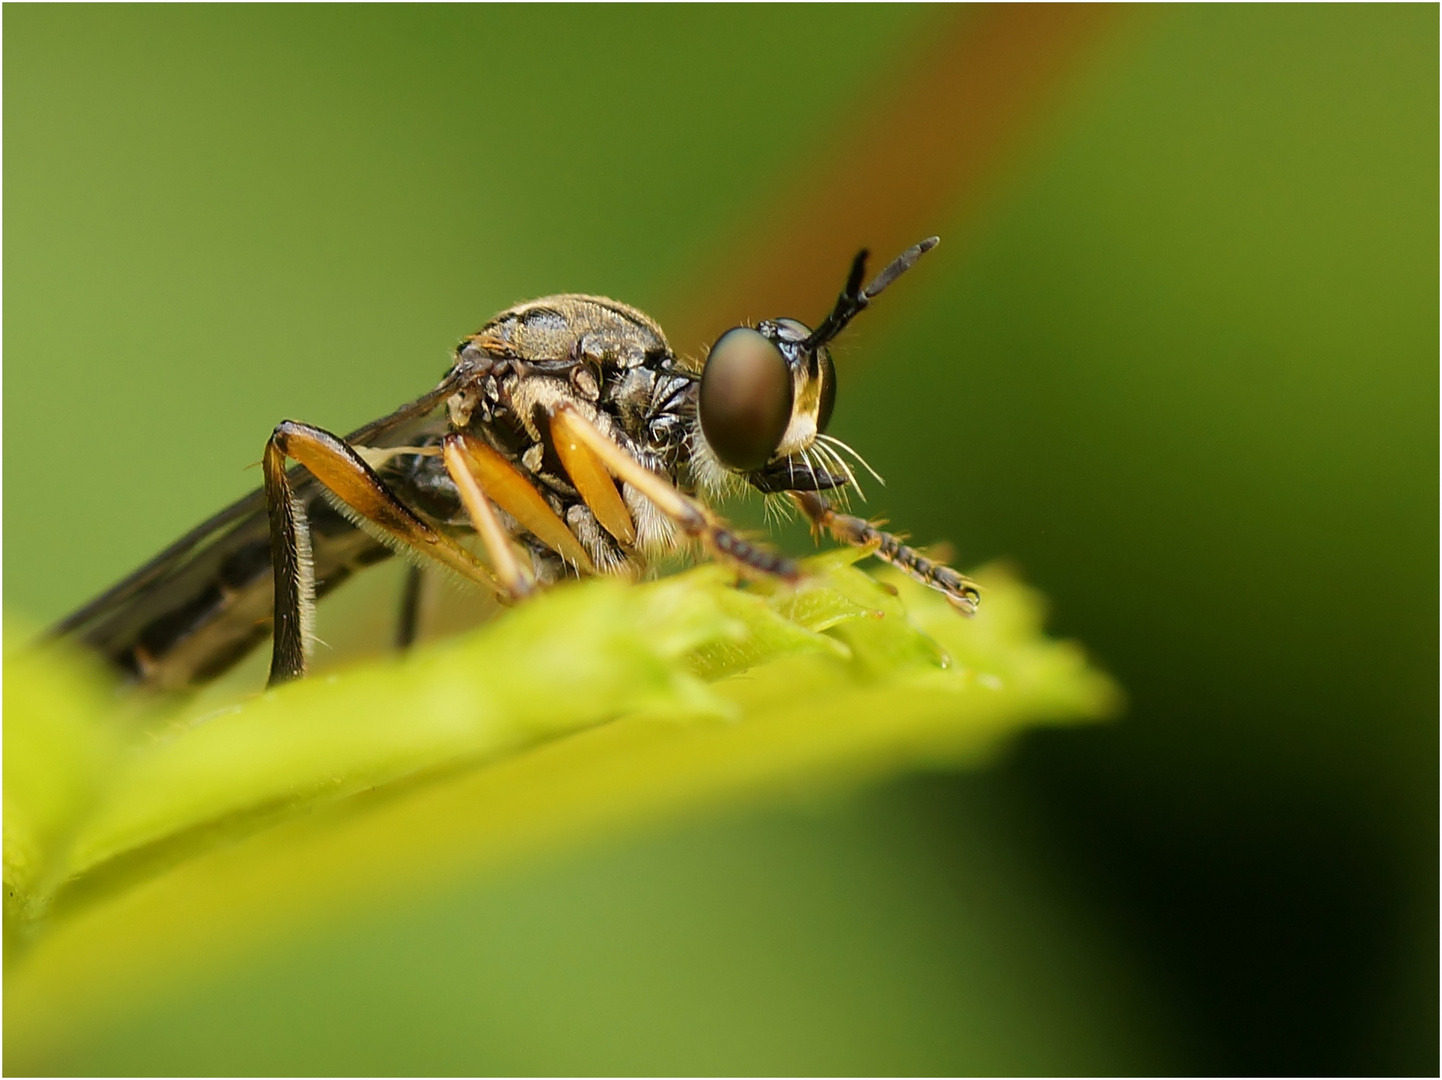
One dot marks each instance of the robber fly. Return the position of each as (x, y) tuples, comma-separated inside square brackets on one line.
[(567, 436)]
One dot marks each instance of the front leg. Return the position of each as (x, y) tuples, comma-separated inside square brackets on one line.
[(591, 458), (959, 589)]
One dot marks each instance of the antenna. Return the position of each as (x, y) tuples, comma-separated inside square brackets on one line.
[(854, 299)]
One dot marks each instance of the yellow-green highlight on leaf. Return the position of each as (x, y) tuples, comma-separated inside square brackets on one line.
[(60, 751), (139, 856)]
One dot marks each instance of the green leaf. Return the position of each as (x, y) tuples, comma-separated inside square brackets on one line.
[(142, 851)]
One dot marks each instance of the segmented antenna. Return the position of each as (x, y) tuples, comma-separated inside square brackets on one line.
[(854, 299)]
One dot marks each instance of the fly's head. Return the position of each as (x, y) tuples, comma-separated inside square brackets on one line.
[(767, 392)]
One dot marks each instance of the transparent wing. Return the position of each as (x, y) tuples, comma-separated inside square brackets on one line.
[(205, 601)]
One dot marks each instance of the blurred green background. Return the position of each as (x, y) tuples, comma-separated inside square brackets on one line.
[(1178, 361)]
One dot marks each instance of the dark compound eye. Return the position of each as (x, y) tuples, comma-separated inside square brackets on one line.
[(745, 400), (828, 392)]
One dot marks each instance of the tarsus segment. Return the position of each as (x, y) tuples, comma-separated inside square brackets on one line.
[(956, 587)]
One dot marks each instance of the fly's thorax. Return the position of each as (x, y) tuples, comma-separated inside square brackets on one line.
[(509, 405), (571, 327), (594, 351), (533, 399)]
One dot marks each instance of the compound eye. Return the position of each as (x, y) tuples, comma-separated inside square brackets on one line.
[(828, 391), (745, 401)]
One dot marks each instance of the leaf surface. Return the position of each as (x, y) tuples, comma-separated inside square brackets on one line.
[(141, 854)]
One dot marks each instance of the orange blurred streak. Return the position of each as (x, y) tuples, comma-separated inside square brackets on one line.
[(921, 156)]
